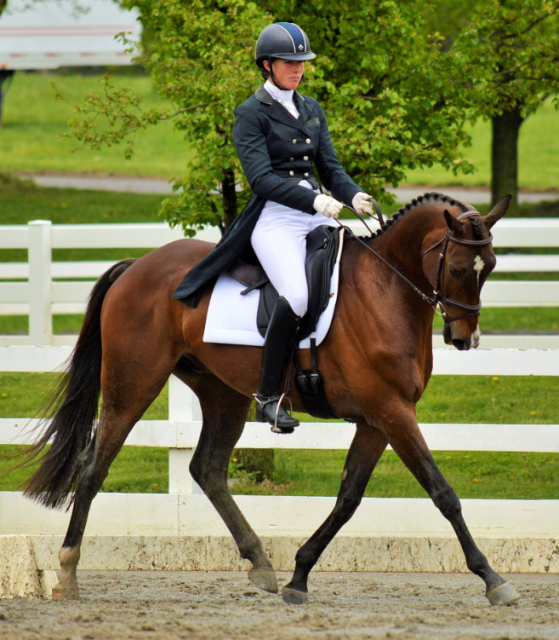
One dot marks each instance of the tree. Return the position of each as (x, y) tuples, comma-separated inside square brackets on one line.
[(507, 63), (376, 76)]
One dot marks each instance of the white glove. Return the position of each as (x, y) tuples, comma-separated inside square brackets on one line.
[(327, 206), (363, 204)]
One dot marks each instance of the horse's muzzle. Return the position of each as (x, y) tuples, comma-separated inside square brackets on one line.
[(462, 343)]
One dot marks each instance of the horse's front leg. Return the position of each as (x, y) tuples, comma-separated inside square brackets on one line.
[(365, 451), (407, 441)]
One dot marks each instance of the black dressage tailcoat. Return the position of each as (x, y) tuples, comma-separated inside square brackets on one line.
[(277, 151)]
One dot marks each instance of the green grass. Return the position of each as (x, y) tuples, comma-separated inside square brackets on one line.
[(136, 470), (514, 320), (33, 123), (513, 476), (471, 474), (22, 395), (537, 149), (22, 201)]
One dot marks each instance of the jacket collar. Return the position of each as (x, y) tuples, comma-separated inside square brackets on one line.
[(280, 113)]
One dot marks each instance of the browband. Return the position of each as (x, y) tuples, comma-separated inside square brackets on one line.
[(468, 214)]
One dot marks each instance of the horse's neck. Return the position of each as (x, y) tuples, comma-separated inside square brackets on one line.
[(403, 242), (379, 289)]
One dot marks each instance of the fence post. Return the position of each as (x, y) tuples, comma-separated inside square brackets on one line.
[(40, 283), (183, 405)]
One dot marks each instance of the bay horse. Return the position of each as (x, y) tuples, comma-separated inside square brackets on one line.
[(376, 361)]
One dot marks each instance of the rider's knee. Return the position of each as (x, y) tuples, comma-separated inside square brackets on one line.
[(298, 300)]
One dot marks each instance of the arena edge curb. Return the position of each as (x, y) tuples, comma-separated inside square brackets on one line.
[(32, 560)]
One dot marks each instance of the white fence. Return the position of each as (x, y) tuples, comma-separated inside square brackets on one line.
[(183, 510)]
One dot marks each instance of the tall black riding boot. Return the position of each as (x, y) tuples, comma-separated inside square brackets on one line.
[(278, 346)]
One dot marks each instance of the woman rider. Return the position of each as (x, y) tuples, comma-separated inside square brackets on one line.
[(279, 134)]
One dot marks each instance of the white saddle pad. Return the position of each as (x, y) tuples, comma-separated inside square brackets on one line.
[(231, 317)]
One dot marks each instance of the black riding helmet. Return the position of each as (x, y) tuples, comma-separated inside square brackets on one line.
[(283, 40)]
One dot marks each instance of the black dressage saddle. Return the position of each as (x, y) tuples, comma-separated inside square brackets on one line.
[(323, 245)]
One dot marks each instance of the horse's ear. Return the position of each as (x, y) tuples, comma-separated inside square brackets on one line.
[(497, 212), (454, 224)]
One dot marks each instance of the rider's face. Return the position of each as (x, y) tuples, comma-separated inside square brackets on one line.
[(288, 73)]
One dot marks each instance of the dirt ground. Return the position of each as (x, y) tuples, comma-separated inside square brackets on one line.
[(224, 605)]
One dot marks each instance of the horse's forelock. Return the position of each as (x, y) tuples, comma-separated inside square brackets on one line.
[(480, 232)]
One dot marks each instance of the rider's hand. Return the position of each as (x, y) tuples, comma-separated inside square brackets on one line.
[(363, 204), (327, 206)]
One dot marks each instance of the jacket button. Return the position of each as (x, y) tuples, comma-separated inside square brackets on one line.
[(306, 158), (291, 159), (291, 173), (294, 141), (308, 141)]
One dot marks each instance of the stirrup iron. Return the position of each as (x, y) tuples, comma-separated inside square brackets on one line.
[(278, 399)]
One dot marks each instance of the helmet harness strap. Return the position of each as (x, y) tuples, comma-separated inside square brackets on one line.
[(271, 72)]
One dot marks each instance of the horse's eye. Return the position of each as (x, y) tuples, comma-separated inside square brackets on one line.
[(455, 273)]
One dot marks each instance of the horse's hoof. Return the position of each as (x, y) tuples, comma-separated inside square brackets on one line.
[(503, 594), (291, 596), (264, 579), (60, 592)]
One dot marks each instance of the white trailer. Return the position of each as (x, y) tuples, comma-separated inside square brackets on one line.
[(47, 34)]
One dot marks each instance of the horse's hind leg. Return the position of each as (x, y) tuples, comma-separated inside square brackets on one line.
[(224, 413), (407, 441), (126, 397), (363, 455)]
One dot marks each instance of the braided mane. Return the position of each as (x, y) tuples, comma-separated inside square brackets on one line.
[(428, 197)]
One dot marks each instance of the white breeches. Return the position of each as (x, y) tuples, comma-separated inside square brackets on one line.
[(280, 243)]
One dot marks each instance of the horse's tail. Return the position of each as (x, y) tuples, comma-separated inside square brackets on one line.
[(72, 407)]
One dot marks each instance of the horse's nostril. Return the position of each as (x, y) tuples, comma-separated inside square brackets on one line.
[(461, 345)]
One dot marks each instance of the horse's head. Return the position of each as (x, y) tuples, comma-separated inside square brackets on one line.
[(458, 268)]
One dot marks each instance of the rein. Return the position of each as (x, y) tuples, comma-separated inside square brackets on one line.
[(439, 300)]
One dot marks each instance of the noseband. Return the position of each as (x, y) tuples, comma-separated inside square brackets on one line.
[(439, 299)]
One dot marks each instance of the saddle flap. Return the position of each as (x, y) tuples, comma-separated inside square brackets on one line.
[(318, 239), (322, 250), (248, 274)]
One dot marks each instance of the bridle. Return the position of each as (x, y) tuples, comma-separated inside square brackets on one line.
[(439, 299)]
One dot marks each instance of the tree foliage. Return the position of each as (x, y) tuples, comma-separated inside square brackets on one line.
[(508, 55), (506, 63), (389, 108), (376, 75)]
